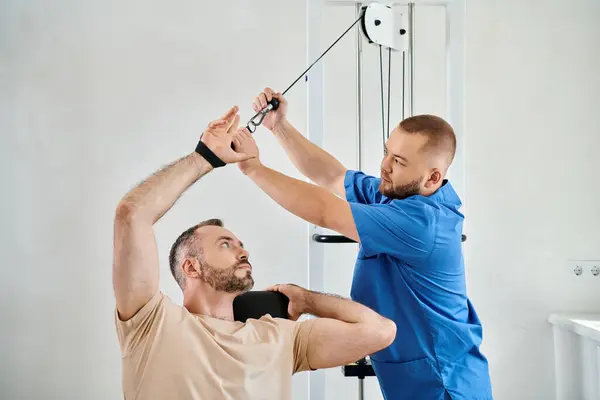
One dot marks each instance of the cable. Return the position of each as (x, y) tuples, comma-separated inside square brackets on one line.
[(337, 40), (274, 103), (389, 88), (382, 102)]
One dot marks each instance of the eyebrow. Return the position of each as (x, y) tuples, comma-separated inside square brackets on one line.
[(397, 156), (402, 158), (229, 238)]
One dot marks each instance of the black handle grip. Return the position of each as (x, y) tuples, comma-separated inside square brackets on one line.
[(275, 103), (344, 239), (359, 369), (332, 239)]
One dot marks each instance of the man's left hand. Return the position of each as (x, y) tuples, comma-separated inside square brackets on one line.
[(297, 296), (243, 142), (218, 137)]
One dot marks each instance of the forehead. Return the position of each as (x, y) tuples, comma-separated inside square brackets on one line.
[(406, 143), (212, 233)]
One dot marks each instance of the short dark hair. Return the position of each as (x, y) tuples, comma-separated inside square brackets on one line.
[(441, 139), (186, 246)]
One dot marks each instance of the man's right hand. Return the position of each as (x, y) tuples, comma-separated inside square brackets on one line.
[(219, 135), (273, 118)]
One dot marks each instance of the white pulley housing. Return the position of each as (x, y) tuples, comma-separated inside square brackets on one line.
[(383, 26)]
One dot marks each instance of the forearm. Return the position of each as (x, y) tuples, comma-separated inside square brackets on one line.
[(328, 306), (312, 161), (153, 197), (303, 199)]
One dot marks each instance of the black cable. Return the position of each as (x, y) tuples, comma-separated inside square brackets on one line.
[(382, 103), (389, 86), (257, 119), (337, 40)]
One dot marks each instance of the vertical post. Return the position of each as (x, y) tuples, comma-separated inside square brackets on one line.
[(314, 23), (361, 389), (411, 56), (359, 88), (403, 84), (455, 95), (382, 101)]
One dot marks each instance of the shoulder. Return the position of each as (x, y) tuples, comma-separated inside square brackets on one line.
[(283, 326), (145, 324), (416, 210)]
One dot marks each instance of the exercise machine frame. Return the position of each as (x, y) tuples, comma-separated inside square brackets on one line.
[(455, 93)]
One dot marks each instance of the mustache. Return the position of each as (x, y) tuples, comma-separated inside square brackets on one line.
[(243, 262)]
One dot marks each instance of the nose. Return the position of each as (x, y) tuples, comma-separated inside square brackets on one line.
[(385, 164), (243, 254)]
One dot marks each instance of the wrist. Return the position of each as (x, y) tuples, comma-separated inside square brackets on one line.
[(251, 166), (309, 301), (201, 163), (280, 127)]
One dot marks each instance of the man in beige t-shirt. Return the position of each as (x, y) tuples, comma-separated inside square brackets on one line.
[(198, 351)]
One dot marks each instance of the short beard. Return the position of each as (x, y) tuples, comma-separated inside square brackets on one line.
[(403, 191), (225, 280)]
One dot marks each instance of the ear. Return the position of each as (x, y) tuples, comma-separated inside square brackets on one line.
[(435, 178), (191, 268)]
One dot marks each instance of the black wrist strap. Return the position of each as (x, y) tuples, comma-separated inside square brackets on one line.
[(207, 153)]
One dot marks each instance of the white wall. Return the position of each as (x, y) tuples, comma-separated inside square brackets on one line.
[(532, 136), (94, 98)]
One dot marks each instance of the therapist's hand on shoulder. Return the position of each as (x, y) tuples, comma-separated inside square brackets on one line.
[(243, 142)]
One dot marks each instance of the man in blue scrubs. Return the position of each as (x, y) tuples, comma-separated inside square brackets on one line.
[(410, 265)]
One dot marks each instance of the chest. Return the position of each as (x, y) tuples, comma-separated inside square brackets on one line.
[(219, 365), (375, 277)]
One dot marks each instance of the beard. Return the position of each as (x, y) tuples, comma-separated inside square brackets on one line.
[(225, 280), (400, 192)]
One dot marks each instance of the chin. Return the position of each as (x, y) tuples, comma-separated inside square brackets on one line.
[(384, 189)]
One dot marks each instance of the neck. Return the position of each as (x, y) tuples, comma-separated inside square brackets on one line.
[(206, 301)]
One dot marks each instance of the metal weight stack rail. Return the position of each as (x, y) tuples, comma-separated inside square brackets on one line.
[(363, 368)]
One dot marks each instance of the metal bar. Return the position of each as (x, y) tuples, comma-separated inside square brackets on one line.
[(361, 389), (411, 56), (442, 3), (331, 239), (316, 275), (359, 84)]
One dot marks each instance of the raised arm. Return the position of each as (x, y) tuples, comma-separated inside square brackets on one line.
[(345, 331), (135, 259), (313, 162), (310, 202)]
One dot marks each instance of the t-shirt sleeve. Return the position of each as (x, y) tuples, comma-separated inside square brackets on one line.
[(134, 331), (361, 188), (301, 333), (403, 229)]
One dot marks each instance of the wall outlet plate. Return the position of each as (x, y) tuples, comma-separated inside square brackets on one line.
[(585, 268)]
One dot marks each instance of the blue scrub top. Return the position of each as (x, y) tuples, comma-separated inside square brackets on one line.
[(410, 269)]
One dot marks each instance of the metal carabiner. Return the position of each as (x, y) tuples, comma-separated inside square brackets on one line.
[(253, 123)]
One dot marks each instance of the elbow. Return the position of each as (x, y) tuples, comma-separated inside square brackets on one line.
[(388, 333), (126, 212), (382, 334)]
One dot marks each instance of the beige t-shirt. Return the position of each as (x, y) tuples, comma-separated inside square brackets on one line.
[(169, 353)]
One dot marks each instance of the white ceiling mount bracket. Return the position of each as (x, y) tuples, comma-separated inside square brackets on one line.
[(381, 26)]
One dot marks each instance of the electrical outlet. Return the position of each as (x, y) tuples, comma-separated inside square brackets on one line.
[(585, 268)]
